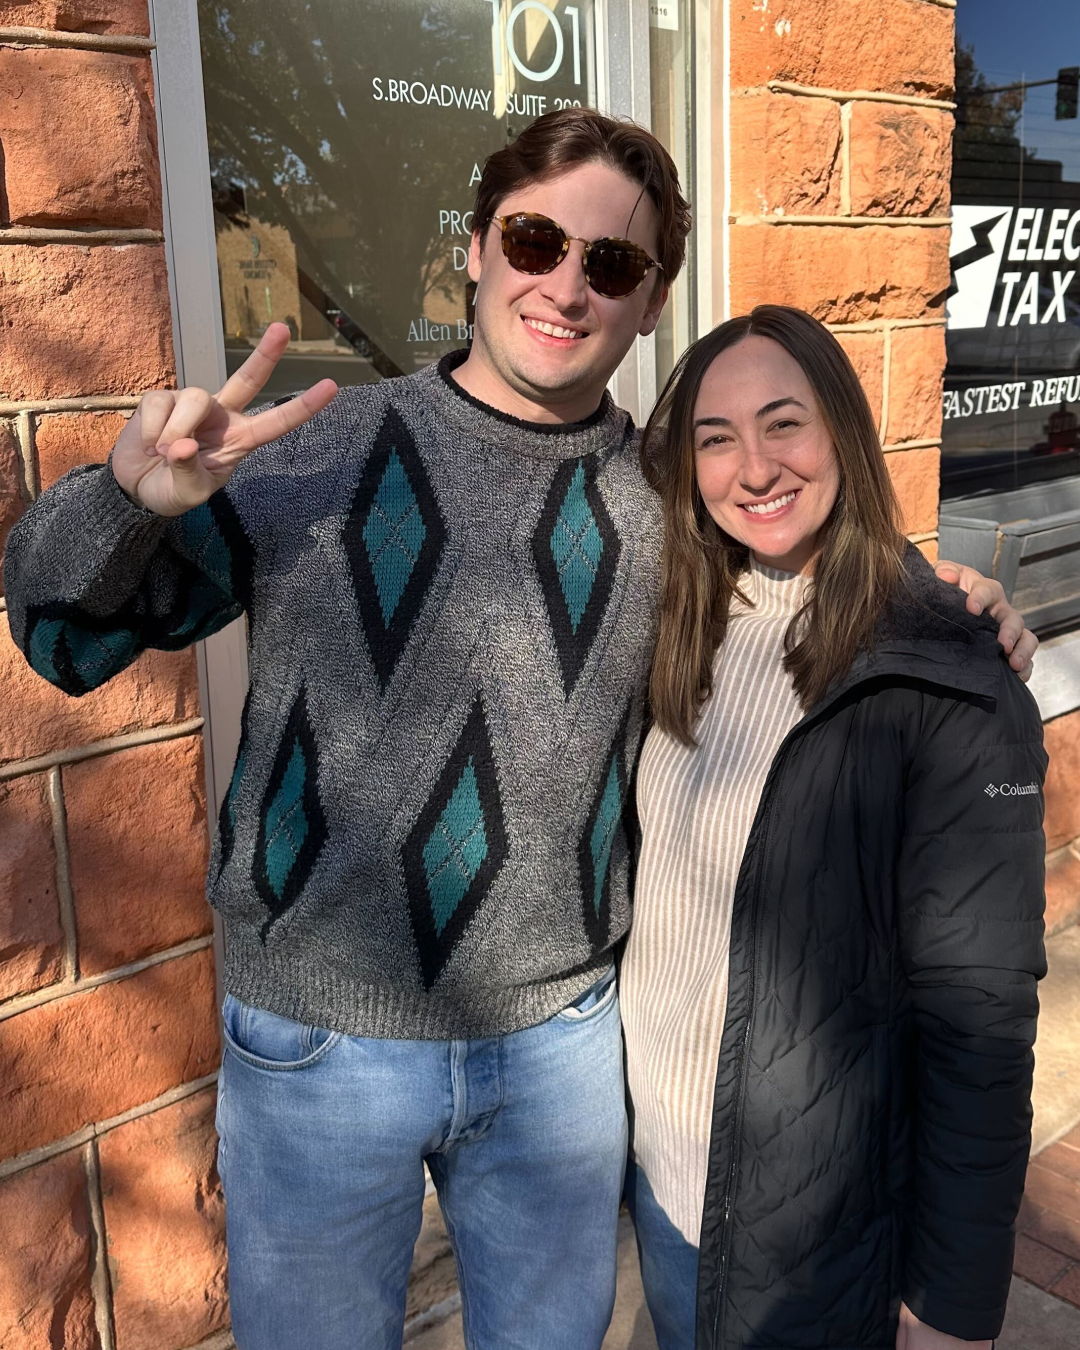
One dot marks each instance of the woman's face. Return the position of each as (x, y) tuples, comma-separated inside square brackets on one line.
[(766, 468)]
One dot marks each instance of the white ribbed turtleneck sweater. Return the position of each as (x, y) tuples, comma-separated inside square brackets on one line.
[(697, 805)]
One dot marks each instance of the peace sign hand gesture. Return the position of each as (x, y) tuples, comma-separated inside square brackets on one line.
[(180, 446)]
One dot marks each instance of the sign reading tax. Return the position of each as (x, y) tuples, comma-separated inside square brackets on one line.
[(1011, 412)]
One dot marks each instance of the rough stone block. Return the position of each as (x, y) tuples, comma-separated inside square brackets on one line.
[(31, 938), (866, 352), (93, 1055), (45, 1236), (12, 503), (1062, 740), (896, 46), (100, 318), (165, 1226), (63, 440), (901, 160), (915, 476), (785, 155), (160, 687), (108, 174), (1062, 891), (916, 374), (841, 274), (138, 842), (78, 16)]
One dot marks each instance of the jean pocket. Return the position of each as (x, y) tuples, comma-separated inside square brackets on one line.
[(593, 1001), (267, 1040)]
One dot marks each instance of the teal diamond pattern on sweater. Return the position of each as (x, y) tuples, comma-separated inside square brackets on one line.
[(77, 658), (286, 823), (202, 537), (394, 534), (292, 822), (603, 832), (577, 547), (456, 849)]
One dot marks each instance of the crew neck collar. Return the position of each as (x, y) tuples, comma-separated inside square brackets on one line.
[(545, 439)]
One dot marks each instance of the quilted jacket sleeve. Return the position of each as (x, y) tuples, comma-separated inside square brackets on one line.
[(92, 579), (970, 901)]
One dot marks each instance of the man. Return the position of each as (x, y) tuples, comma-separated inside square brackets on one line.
[(422, 863)]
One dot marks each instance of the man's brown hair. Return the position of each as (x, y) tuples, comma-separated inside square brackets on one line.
[(562, 140), (857, 571)]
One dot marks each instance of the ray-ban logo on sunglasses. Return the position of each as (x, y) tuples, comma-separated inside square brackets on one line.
[(1011, 789)]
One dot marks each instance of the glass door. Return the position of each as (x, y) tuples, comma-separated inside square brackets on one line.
[(345, 145)]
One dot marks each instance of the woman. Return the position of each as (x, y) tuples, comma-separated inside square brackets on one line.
[(829, 990)]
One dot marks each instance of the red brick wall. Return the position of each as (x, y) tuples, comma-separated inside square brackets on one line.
[(840, 127), (111, 1217)]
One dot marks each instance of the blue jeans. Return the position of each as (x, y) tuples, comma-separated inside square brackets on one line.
[(323, 1141), (669, 1266)]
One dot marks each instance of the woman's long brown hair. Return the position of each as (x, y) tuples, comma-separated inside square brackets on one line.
[(860, 562)]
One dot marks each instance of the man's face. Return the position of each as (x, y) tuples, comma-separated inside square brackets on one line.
[(564, 372)]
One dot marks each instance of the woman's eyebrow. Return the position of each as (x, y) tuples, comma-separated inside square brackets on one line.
[(761, 412)]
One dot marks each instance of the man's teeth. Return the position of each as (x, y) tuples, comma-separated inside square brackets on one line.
[(767, 508), (553, 330)]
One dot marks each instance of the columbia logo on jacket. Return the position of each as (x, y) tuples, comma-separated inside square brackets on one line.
[(1011, 790)]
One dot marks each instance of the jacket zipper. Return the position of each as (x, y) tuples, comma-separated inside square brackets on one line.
[(744, 1052)]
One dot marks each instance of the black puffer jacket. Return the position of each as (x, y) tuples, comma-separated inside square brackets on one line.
[(872, 1115)]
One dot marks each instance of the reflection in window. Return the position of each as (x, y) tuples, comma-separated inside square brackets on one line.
[(345, 147), (1012, 390)]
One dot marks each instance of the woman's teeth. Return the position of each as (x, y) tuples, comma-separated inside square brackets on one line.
[(553, 330), (767, 508)]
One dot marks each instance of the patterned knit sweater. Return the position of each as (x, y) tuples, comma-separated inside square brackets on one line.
[(451, 615)]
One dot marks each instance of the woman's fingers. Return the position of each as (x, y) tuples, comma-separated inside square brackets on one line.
[(274, 422), (240, 388)]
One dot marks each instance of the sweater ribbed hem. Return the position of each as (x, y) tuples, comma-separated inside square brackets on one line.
[(318, 996)]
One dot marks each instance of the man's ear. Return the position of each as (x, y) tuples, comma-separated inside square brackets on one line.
[(476, 255), (651, 317)]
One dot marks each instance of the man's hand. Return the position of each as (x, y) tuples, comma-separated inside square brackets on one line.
[(180, 446), (912, 1334), (984, 594)]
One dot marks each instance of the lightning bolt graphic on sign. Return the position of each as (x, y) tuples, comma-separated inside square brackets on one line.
[(978, 246)]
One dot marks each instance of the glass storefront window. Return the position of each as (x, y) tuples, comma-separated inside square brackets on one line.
[(345, 145), (1012, 389)]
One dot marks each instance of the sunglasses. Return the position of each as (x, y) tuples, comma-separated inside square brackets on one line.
[(533, 244)]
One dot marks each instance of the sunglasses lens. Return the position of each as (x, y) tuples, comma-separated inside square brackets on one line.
[(532, 244), (615, 269)]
